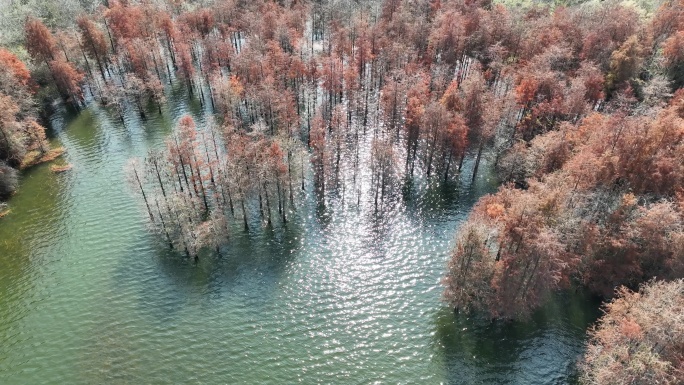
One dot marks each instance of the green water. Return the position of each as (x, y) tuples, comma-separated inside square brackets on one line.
[(341, 295)]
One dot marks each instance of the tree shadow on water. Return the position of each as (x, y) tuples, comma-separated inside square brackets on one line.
[(543, 349), (247, 271)]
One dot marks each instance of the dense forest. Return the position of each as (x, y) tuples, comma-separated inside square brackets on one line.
[(580, 108)]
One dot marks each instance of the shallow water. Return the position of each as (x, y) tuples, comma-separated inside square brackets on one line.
[(339, 295)]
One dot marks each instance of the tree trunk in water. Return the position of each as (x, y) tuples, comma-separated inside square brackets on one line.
[(149, 210), (268, 206), (161, 217), (477, 160), (244, 213), (446, 171)]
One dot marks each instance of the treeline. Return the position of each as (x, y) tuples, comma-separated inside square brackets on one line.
[(21, 136), (382, 69), (580, 108), (409, 89), (394, 71), (595, 198)]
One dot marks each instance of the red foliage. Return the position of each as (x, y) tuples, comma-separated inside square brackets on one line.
[(638, 340), (93, 39), (67, 79), (608, 27), (200, 21), (669, 19), (11, 62), (526, 91), (126, 22), (40, 43), (673, 49), (185, 66)]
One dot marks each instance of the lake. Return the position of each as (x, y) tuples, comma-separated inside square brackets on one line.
[(341, 294)]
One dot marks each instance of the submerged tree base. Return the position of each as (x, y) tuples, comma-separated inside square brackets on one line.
[(59, 169), (35, 157)]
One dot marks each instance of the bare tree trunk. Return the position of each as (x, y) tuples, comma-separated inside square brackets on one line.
[(477, 160)]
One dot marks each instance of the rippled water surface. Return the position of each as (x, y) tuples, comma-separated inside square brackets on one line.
[(340, 295)]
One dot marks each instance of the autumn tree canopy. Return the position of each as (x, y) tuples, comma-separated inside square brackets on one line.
[(639, 339), (578, 109)]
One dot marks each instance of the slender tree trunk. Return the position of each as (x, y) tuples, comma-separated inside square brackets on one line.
[(268, 205), (142, 191), (244, 212), (477, 160), (166, 231), (446, 171)]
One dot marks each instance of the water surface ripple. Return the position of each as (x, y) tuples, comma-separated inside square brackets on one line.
[(341, 295)]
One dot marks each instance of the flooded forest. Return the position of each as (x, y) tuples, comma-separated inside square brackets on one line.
[(340, 191)]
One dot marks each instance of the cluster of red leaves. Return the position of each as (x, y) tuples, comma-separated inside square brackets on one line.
[(639, 338)]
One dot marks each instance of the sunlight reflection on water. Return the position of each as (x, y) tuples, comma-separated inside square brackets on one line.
[(342, 294)]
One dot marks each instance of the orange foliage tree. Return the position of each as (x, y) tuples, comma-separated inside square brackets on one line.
[(639, 339)]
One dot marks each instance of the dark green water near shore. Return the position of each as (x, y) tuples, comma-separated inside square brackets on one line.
[(340, 295)]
